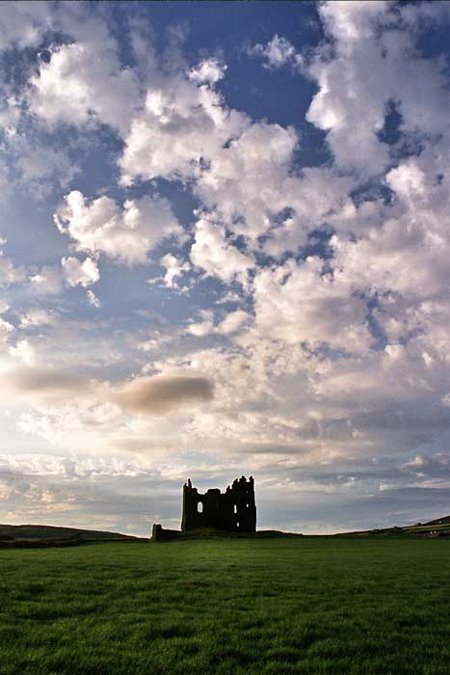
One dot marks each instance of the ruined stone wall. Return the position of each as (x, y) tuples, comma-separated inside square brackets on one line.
[(234, 510)]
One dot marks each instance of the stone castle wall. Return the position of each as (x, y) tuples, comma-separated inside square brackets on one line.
[(233, 510)]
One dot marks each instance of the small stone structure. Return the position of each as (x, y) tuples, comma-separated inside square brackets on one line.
[(233, 510), (161, 534)]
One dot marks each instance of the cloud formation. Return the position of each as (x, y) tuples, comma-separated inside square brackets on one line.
[(82, 81), (159, 394), (181, 127), (277, 53), (77, 273), (125, 234)]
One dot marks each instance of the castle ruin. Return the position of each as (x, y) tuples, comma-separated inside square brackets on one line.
[(233, 510)]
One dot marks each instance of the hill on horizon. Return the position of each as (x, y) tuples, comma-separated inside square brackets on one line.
[(50, 535), (25, 536)]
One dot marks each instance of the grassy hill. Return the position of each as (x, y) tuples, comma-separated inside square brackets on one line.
[(434, 528), (25, 536), (39, 536)]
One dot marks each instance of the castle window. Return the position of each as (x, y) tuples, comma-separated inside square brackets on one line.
[(200, 507), (235, 508)]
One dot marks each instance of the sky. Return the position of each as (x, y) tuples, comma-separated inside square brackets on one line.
[(225, 250)]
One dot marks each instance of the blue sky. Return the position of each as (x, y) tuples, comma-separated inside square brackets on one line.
[(224, 250)]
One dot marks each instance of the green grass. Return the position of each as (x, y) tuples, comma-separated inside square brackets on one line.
[(308, 605)]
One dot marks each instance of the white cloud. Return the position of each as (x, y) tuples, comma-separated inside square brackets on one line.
[(48, 281), (233, 322), (126, 234), (351, 22), (251, 185), (6, 329), (404, 249), (230, 324), (302, 303), (203, 327), (24, 352), (278, 52), (174, 269), (23, 24), (212, 252), (77, 273), (208, 70), (37, 317), (84, 81), (247, 178), (92, 299), (181, 127), (372, 63)]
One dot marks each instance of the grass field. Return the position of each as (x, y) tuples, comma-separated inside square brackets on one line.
[(308, 605)]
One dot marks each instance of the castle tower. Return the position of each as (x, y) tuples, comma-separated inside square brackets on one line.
[(234, 510)]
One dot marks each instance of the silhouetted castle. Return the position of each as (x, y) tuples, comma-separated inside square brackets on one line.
[(234, 510)]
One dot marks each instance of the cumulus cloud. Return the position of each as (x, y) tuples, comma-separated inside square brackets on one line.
[(310, 306), (252, 186), (24, 351), (212, 252), (261, 156), (37, 317), (278, 52), (80, 273), (204, 326), (181, 127), (174, 269), (23, 24), (6, 328), (371, 65), (208, 70), (126, 234), (230, 324), (84, 81)]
